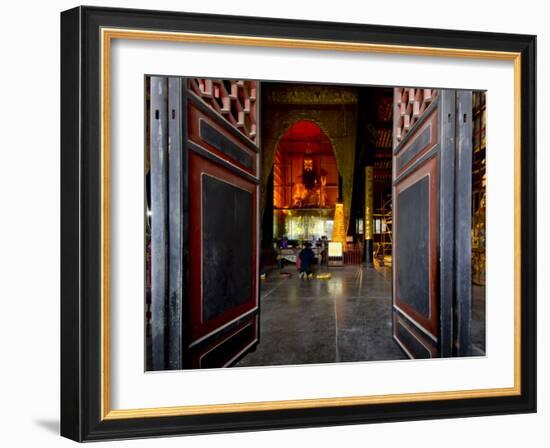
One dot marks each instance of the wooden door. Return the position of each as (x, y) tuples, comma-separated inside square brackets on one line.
[(432, 222), (221, 310), (207, 279)]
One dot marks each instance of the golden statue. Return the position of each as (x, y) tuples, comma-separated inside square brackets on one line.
[(309, 191)]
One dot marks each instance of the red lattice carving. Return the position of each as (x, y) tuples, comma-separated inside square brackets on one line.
[(235, 100), (410, 104)]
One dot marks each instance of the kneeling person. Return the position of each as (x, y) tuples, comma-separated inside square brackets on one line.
[(306, 256)]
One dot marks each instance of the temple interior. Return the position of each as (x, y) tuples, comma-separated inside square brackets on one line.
[(327, 175), (304, 189), (305, 184), (336, 144)]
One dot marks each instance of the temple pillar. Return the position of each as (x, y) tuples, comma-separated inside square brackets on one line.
[(339, 230), (369, 210)]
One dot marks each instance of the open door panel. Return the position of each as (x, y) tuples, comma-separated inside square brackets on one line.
[(204, 235), (221, 309), (432, 221)]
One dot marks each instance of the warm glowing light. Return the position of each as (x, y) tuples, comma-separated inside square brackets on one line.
[(339, 230), (334, 249), (305, 173)]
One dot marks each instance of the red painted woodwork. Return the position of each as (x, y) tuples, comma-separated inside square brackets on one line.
[(233, 99), (196, 327), (221, 143), (417, 144), (194, 117), (431, 121), (431, 322), (230, 352), (419, 337)]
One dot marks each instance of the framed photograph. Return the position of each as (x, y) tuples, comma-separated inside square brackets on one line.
[(275, 224)]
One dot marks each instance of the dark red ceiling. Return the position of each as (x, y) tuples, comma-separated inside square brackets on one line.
[(305, 136)]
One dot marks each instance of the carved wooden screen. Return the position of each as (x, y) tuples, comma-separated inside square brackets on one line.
[(411, 104), (234, 100)]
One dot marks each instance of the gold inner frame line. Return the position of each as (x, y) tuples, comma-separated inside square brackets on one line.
[(107, 35)]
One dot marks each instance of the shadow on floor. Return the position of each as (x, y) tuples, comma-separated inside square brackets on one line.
[(51, 426)]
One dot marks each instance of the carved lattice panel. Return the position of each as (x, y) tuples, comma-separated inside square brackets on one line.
[(410, 104), (235, 100)]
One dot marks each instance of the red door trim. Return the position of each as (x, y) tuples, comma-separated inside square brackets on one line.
[(197, 329), (430, 324)]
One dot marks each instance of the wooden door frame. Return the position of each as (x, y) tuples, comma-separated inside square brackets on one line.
[(447, 219), (169, 252), (456, 221), (463, 212)]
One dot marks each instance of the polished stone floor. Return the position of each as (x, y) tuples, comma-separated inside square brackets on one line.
[(344, 319)]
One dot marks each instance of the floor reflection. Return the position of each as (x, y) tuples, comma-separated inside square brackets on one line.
[(346, 318)]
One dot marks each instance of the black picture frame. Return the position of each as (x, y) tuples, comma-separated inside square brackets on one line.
[(81, 216)]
